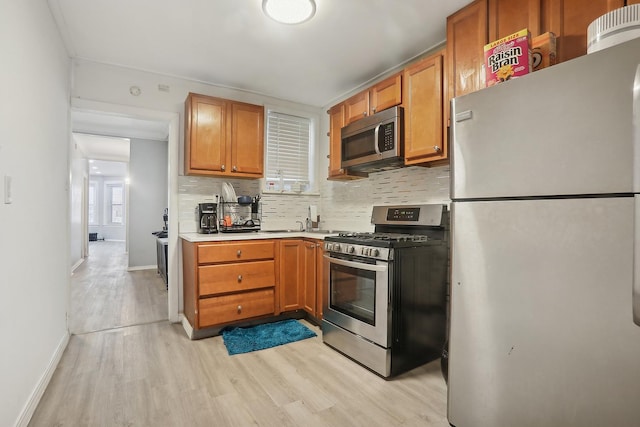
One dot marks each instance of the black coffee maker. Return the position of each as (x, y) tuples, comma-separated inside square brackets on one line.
[(206, 215)]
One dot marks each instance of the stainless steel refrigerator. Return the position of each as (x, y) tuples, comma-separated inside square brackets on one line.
[(545, 190)]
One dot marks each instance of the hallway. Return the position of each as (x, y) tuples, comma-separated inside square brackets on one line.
[(104, 295)]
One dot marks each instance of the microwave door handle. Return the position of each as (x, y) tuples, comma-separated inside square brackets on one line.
[(360, 265), (375, 136)]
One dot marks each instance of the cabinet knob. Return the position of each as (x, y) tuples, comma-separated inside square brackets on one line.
[(436, 148), (234, 169), (222, 167), (373, 109), (239, 309), (364, 114), (239, 253), (239, 277)]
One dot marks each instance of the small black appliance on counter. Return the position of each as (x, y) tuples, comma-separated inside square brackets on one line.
[(207, 218)]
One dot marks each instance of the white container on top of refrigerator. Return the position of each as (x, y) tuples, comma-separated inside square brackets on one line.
[(545, 305)]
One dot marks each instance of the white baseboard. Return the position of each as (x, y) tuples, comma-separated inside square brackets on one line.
[(36, 395), (76, 265), (187, 327), (143, 267)]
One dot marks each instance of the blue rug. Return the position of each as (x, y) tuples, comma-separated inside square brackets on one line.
[(244, 340)]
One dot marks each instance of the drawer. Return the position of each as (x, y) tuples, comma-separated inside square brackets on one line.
[(241, 276), (234, 307), (236, 251)]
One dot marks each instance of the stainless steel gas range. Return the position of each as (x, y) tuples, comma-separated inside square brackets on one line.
[(386, 291)]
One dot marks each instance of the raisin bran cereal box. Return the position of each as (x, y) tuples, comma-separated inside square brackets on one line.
[(507, 58), (543, 51)]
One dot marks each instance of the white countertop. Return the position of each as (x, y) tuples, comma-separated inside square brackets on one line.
[(255, 235)]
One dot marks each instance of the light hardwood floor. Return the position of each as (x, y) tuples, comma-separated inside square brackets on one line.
[(105, 295), (153, 375)]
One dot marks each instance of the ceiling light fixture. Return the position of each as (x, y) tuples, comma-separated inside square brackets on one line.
[(289, 11)]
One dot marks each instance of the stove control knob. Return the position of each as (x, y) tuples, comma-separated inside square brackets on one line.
[(364, 251), (374, 252), (336, 248), (351, 249)]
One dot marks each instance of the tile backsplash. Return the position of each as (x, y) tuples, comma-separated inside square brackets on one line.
[(341, 205)]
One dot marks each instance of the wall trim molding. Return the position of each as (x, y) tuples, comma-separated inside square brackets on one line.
[(41, 386)]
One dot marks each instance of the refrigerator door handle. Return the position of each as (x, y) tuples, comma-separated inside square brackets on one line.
[(636, 262)]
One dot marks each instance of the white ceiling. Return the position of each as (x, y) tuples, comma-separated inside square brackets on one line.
[(103, 148), (108, 169), (232, 43)]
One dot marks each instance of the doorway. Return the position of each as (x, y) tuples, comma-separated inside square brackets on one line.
[(108, 258)]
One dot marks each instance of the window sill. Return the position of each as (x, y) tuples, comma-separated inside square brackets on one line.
[(291, 193)]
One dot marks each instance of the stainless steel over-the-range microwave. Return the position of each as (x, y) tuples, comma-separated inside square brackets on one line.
[(374, 143)]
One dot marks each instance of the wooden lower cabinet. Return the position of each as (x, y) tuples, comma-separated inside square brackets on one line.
[(226, 282), (291, 274), (309, 276), (299, 269), (234, 307), (320, 289)]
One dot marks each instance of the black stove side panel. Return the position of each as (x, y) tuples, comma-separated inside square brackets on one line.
[(419, 305)]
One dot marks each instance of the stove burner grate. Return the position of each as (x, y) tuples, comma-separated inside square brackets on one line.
[(389, 237)]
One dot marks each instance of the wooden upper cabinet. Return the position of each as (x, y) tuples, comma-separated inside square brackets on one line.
[(630, 2), (223, 137), (336, 122), (206, 134), (425, 118), (467, 33), (509, 16), (569, 19), (386, 94), (247, 133), (356, 107), (383, 95)]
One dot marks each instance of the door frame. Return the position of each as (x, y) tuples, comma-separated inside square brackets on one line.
[(174, 287)]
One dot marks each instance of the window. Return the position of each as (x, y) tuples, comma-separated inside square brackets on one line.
[(115, 203), (93, 203), (288, 159)]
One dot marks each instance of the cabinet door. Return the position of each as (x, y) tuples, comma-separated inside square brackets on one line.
[(247, 139), (424, 119), (356, 107), (510, 16), (569, 20), (309, 266), (467, 33), (291, 275), (386, 94), (320, 286), (336, 122), (205, 134)]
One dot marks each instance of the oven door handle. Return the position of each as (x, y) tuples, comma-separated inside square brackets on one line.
[(360, 265)]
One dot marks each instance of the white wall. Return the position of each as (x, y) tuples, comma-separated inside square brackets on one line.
[(148, 197), (34, 237)]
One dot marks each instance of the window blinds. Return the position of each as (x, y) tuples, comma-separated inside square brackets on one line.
[(287, 147)]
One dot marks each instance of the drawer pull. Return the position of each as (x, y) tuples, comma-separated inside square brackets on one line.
[(239, 277), (239, 253), (239, 309)]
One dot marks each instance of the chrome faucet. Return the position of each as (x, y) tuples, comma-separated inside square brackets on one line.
[(301, 225)]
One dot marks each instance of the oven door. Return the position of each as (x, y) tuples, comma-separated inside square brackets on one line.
[(358, 298)]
